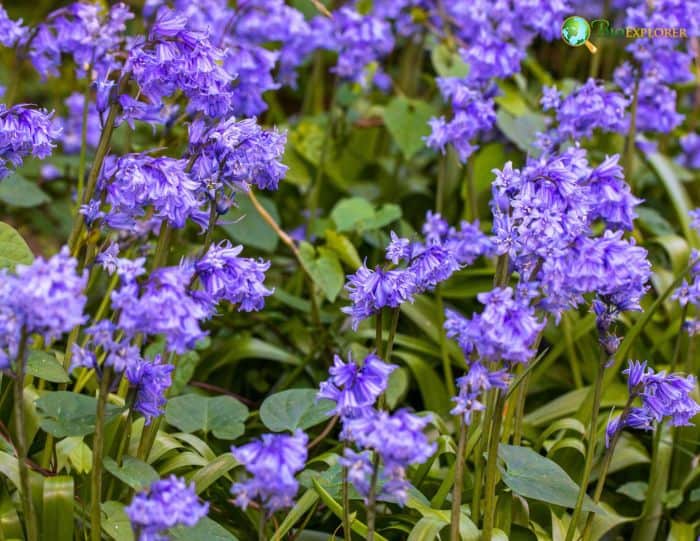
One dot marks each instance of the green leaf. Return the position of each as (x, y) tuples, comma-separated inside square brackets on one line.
[(248, 226), (427, 529), (116, 524), (13, 249), (17, 191), (344, 247), (294, 408), (57, 508), (533, 476), (44, 365), (396, 387), (205, 530), (133, 472), (184, 369), (387, 214), (520, 130), (432, 389), (324, 269), (63, 413), (303, 504), (448, 63), (349, 212), (75, 451), (223, 416), (407, 122), (217, 468)]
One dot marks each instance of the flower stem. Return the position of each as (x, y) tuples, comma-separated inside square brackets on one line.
[(457, 488), (372, 499), (491, 461), (21, 443), (444, 354), (396, 312), (83, 142), (679, 340), (590, 451), (261, 526), (97, 453), (163, 247), (347, 534), (379, 344), (632, 133)]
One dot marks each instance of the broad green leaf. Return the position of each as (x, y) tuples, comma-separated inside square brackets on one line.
[(63, 413), (427, 529), (681, 531), (407, 122), (533, 476), (17, 191), (448, 63), (44, 365), (10, 523), (205, 530), (397, 387), (349, 212), (115, 523), (301, 507), (247, 347), (653, 221), (295, 408), (387, 214), (510, 100), (13, 248), (521, 130), (223, 416), (344, 247), (324, 269), (184, 369), (432, 389), (9, 468), (246, 226), (57, 508), (133, 472)]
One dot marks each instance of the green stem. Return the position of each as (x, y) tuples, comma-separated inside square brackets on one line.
[(590, 451), (97, 454), (347, 533), (441, 180), (378, 334), (500, 279), (605, 466), (444, 354), (261, 526), (396, 312), (459, 480), (571, 351), (75, 240), (163, 247), (679, 339), (632, 133), (491, 469), (472, 203), (372, 499), (21, 443)]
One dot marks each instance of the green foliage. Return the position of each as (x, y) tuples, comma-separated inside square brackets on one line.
[(223, 416), (292, 409)]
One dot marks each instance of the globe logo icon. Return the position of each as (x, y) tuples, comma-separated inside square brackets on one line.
[(575, 31)]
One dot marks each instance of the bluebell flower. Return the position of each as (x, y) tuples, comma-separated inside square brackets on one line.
[(10, 31), (167, 503), (431, 265), (46, 298), (690, 145), (611, 197), (354, 387), (72, 125), (472, 386), (273, 461), (663, 396), (151, 380), (25, 131), (398, 249), (506, 329), (239, 280)]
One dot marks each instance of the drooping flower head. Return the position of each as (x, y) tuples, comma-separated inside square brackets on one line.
[(151, 379), (273, 461), (167, 503), (25, 131), (355, 388), (10, 31), (472, 386)]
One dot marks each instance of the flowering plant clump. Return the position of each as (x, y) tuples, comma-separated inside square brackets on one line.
[(313, 269)]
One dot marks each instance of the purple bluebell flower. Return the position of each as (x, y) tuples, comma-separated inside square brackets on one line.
[(468, 243), (10, 31), (399, 441), (371, 290), (72, 124), (662, 396), (134, 182), (431, 265), (151, 379), (435, 228), (24, 131), (353, 387), (273, 461), (163, 306), (239, 280), (398, 249), (472, 386), (359, 466), (688, 293), (507, 329), (611, 197), (167, 503)]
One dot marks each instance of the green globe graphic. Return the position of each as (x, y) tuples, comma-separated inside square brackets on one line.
[(575, 31)]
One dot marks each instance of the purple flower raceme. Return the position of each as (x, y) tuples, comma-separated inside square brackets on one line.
[(133, 183), (236, 154), (663, 396), (472, 386), (177, 58), (150, 379), (167, 503), (24, 131), (238, 280), (399, 441), (588, 108), (164, 306), (10, 31), (690, 145), (506, 329), (355, 388), (45, 298), (273, 461)]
